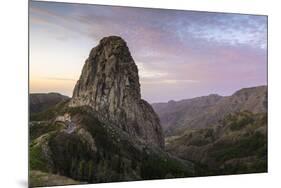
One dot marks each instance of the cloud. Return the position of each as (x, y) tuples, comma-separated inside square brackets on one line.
[(145, 72), (148, 29), (168, 81), (172, 48)]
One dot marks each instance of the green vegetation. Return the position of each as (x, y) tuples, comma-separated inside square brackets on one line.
[(247, 152), (237, 145), (37, 129), (116, 157), (155, 166), (36, 159), (240, 120), (246, 146), (70, 155), (49, 113)]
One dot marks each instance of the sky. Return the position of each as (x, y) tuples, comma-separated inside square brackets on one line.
[(179, 54)]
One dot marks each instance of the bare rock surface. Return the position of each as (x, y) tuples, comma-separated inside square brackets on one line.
[(109, 83)]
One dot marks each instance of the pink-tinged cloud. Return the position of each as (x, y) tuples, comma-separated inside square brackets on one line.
[(180, 54)]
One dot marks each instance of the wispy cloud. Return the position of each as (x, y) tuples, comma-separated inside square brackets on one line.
[(195, 50), (167, 81)]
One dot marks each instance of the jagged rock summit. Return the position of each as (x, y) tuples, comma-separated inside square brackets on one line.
[(109, 83)]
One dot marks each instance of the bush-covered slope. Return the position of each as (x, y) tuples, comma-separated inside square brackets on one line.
[(40, 102), (237, 145), (75, 144)]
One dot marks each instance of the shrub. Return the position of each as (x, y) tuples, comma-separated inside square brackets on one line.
[(36, 159)]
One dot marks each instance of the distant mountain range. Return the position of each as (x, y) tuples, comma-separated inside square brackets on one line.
[(221, 135), (206, 111), (39, 102)]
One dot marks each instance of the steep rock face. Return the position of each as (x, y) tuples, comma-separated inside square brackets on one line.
[(109, 83)]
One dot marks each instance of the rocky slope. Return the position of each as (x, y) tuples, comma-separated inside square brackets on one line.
[(203, 112), (42, 101), (238, 144), (109, 83)]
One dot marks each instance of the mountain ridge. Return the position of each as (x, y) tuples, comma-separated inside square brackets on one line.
[(211, 108), (39, 102)]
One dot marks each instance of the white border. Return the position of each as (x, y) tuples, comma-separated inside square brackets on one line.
[(14, 79)]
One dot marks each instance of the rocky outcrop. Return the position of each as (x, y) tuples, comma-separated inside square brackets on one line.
[(109, 83)]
